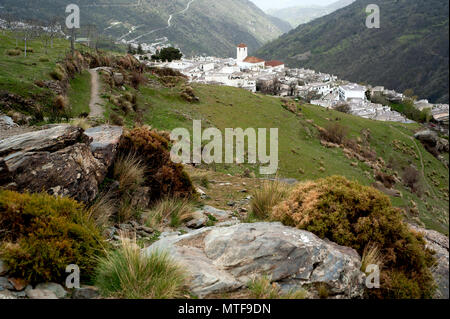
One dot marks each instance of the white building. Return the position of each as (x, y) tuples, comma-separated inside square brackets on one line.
[(242, 52), (352, 91)]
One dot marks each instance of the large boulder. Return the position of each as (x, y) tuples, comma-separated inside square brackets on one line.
[(61, 160), (440, 244), (432, 142), (224, 259)]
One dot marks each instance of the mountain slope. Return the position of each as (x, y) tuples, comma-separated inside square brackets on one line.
[(303, 14), (410, 50), (210, 27)]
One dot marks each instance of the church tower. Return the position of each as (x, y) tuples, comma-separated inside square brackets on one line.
[(242, 52)]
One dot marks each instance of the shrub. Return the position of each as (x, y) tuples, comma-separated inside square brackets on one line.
[(45, 234), (334, 133), (270, 194), (116, 119), (354, 215), (13, 52), (387, 180), (137, 79), (411, 178), (172, 211), (163, 177), (127, 273)]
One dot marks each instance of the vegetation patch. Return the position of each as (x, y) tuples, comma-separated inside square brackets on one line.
[(357, 216), (44, 234), (127, 273)]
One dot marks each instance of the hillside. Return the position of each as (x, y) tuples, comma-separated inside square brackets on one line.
[(304, 14), (117, 163), (209, 27), (410, 50)]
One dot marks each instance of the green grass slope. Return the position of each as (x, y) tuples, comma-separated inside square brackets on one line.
[(301, 155)]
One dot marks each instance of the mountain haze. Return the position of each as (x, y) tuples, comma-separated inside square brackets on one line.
[(410, 50), (303, 14), (211, 27)]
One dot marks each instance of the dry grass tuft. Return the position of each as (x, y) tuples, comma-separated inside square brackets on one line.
[(270, 194), (81, 122), (169, 211), (129, 171), (262, 288), (128, 273), (371, 256)]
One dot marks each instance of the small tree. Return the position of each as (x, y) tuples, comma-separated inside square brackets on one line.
[(170, 54)]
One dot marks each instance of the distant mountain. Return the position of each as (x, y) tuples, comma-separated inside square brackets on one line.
[(211, 27), (410, 50), (303, 14)]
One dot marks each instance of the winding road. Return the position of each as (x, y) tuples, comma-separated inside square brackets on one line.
[(169, 22)]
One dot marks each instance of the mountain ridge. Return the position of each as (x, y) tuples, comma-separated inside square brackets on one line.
[(410, 50)]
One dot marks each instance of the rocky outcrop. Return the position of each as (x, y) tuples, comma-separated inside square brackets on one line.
[(62, 160), (440, 244), (432, 142), (224, 259)]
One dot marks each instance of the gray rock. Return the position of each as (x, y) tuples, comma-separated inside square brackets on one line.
[(57, 289), (440, 244), (86, 292), (222, 259), (220, 215), (6, 122), (60, 160), (40, 294), (6, 294), (432, 141), (198, 220), (104, 142), (3, 268), (5, 284), (118, 79), (48, 140)]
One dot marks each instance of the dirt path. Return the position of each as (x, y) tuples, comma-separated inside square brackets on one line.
[(96, 103)]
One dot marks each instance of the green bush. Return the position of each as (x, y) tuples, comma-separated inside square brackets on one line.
[(44, 235), (127, 273), (354, 215), (164, 177)]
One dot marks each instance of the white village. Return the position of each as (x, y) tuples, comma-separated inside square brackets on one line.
[(273, 77)]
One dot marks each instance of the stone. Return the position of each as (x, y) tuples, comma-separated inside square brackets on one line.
[(41, 294), (5, 284), (60, 160), (440, 244), (6, 122), (219, 214), (198, 220), (19, 284), (57, 289), (224, 259), (104, 142), (6, 294), (85, 292), (48, 140), (3, 268), (432, 142)]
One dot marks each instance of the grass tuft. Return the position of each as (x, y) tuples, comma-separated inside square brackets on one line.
[(128, 273)]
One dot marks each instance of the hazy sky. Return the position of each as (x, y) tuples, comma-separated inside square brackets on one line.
[(271, 4)]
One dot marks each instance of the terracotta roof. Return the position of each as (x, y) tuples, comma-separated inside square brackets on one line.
[(242, 45), (252, 59), (274, 63)]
